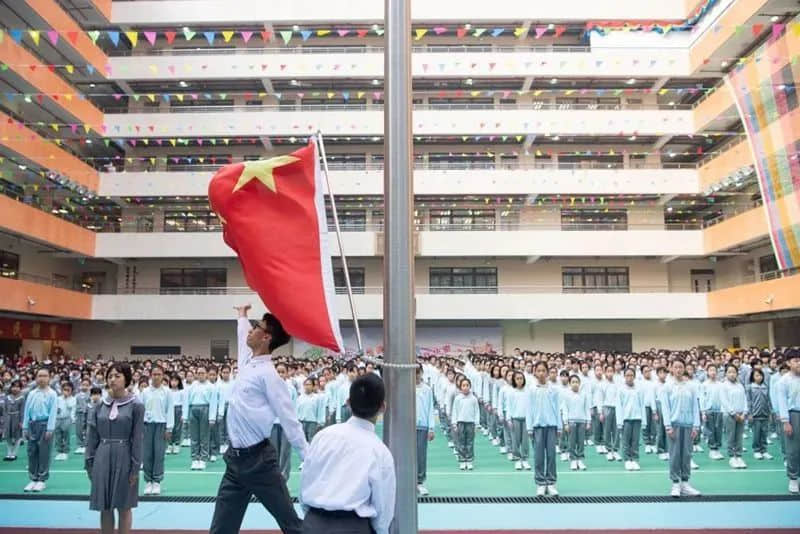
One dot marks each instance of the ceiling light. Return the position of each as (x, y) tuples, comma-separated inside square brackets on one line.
[(376, 82), (775, 18), (672, 103), (186, 29), (672, 154), (27, 99), (724, 64), (296, 27), (468, 81), (669, 209), (467, 26), (183, 83), (374, 26), (91, 85), (294, 82), (551, 26), (554, 81), (632, 138), (88, 141), (631, 81), (555, 138), (22, 167)]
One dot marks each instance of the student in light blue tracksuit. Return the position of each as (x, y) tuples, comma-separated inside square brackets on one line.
[(502, 410), (680, 405), (577, 408), (711, 408), (516, 412), (630, 412), (733, 400), (465, 418), (788, 393), (425, 427), (544, 425)]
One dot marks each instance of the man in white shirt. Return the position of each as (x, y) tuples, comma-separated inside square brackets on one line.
[(348, 479), (257, 397)]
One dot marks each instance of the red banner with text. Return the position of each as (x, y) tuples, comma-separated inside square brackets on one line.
[(24, 329)]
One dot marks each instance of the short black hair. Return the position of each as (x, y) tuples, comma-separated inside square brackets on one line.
[(278, 335), (367, 393), (95, 391), (122, 368)]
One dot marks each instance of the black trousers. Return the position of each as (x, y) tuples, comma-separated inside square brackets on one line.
[(322, 522), (256, 473)]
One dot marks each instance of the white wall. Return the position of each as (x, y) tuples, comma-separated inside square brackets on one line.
[(438, 307), (558, 243), (600, 62), (437, 182), (425, 122), (179, 12), (204, 245)]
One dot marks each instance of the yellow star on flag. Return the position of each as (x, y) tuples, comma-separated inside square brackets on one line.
[(262, 171)]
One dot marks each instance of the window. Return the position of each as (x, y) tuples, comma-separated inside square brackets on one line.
[(60, 280), (203, 281), (356, 279), (177, 162), (595, 280), (462, 219), (189, 103), (9, 264), (594, 219), (463, 279), (767, 264), (599, 342), (349, 220), (190, 221)]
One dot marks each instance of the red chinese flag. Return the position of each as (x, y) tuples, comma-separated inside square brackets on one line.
[(273, 217)]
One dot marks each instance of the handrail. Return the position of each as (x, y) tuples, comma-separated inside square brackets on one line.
[(536, 106), (144, 166)]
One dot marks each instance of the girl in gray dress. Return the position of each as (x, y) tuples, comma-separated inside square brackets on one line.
[(114, 451), (15, 404)]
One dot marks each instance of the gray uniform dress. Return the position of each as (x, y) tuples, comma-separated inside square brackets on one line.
[(13, 420), (114, 452)]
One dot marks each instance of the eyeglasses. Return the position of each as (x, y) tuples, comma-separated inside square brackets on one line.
[(256, 324)]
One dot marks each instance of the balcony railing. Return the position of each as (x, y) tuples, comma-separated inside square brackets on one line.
[(535, 106), (144, 166), (496, 227), (301, 50), (72, 285)]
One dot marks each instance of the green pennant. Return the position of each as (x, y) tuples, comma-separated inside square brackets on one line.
[(93, 35), (188, 34)]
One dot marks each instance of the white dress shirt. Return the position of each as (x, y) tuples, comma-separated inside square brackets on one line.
[(349, 468), (257, 398)]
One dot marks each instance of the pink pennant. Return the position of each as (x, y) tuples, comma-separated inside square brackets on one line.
[(73, 128), (151, 37), (300, 95), (171, 68), (246, 35), (777, 29), (438, 30), (540, 30), (52, 35), (117, 96), (342, 33)]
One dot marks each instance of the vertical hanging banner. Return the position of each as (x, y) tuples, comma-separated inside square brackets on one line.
[(765, 92)]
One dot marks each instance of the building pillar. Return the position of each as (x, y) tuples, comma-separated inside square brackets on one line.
[(771, 334)]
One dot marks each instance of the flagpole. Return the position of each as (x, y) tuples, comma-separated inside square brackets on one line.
[(321, 145)]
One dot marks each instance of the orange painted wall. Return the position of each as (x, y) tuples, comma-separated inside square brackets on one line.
[(736, 15), (59, 20), (52, 301), (103, 6), (784, 294), (45, 153), (736, 156), (48, 82), (719, 102), (735, 231), (31, 222)]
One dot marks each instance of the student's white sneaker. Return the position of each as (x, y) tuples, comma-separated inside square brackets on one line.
[(573, 465), (495, 442), (526, 466), (628, 466), (148, 488), (663, 456), (794, 486), (518, 466), (767, 456), (80, 450), (758, 456), (156, 488), (32, 485), (510, 457), (676, 490), (599, 449), (503, 450), (541, 491), (635, 466), (590, 443), (688, 491), (186, 442), (610, 456), (693, 464), (61, 457), (202, 465), (223, 449), (741, 463), (769, 441), (451, 444), (617, 457), (469, 466), (40, 486), (300, 468), (581, 465), (552, 491), (564, 456), (485, 431), (773, 436), (462, 466), (733, 463), (422, 490), (213, 458)]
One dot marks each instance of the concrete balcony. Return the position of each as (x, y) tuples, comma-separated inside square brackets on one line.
[(445, 179), (222, 121)]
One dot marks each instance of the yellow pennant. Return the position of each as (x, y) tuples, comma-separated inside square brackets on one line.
[(227, 34), (35, 36), (133, 37)]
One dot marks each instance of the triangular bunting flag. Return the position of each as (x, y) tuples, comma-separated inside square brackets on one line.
[(133, 37)]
